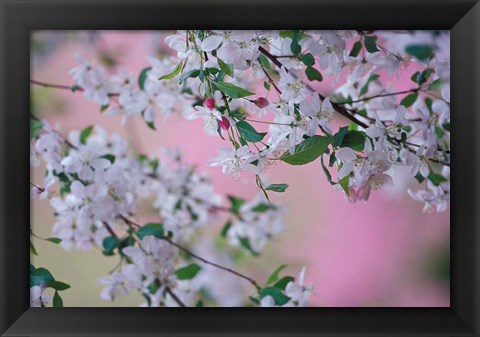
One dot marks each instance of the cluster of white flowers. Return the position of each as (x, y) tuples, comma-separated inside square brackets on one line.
[(100, 183), (257, 222), (408, 129)]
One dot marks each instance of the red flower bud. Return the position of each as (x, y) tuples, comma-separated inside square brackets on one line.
[(261, 102), (224, 123), (210, 103)]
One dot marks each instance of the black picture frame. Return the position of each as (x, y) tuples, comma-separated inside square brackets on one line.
[(19, 17)]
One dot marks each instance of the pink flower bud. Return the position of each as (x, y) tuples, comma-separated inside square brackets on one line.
[(261, 102), (210, 103), (224, 123)]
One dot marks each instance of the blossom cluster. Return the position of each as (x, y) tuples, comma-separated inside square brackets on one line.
[(216, 75), (95, 184)]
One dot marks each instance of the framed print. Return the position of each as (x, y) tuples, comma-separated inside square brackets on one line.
[(279, 167)]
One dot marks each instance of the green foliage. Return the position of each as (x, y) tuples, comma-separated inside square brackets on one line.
[(225, 229), (308, 150), (313, 74), (110, 157), (35, 127), (282, 283), (357, 47), (189, 74), (277, 187), (408, 100), (370, 43), (33, 250), (60, 286), (421, 51), (249, 133), (235, 203), (232, 90), (308, 60), (173, 73), (226, 68), (278, 296), (436, 178), (109, 244), (57, 300), (85, 134), (435, 85), (143, 76), (245, 243), (274, 276), (354, 139), (188, 272), (155, 229), (261, 208), (41, 277), (365, 87)]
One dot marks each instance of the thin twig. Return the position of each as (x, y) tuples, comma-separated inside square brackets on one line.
[(175, 297)]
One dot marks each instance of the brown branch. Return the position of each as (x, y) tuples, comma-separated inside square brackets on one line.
[(341, 110), (379, 95), (166, 239), (175, 297), (65, 87)]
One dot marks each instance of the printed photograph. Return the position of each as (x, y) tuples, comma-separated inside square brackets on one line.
[(208, 168)]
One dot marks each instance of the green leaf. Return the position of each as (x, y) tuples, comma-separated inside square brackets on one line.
[(245, 242), (436, 178), (188, 272), (266, 85), (54, 240), (435, 85), (236, 203), (85, 134), (313, 74), (75, 87), (282, 283), (109, 244), (232, 90), (155, 229), (308, 60), (192, 73), (60, 286), (370, 43), (326, 171), (249, 132), (104, 107), (226, 68), (344, 184), (151, 125), (277, 187), (357, 47), (338, 137), (307, 151), (274, 276), (421, 51), (35, 127), (110, 157), (295, 46), (57, 300), (41, 276), (143, 76), (364, 89), (32, 249), (279, 297), (408, 100), (264, 61), (173, 73), (354, 140), (260, 208), (225, 229)]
